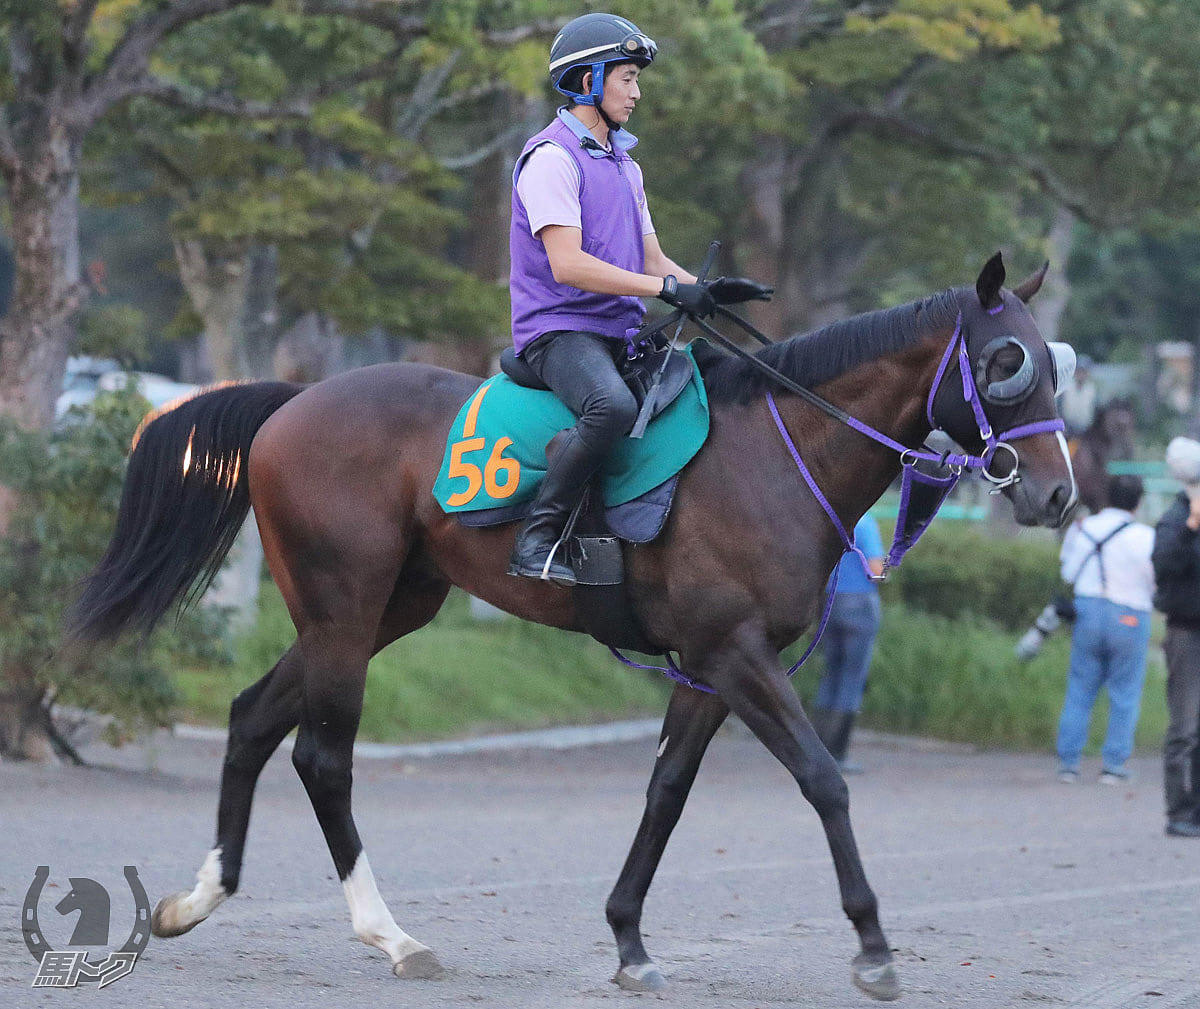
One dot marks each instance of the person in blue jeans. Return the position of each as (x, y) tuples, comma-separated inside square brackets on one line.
[(1107, 558), (847, 644)]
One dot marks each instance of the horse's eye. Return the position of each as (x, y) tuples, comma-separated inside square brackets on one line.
[(1005, 364)]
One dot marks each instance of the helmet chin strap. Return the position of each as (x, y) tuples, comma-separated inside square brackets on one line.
[(612, 127), (596, 96)]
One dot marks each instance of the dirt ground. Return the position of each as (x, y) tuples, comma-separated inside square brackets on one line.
[(999, 886)]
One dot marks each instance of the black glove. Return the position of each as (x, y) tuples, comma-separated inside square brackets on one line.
[(734, 290), (694, 299)]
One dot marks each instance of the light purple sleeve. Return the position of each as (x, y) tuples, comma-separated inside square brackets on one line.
[(548, 185)]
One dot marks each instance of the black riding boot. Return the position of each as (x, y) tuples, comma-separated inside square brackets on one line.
[(569, 469)]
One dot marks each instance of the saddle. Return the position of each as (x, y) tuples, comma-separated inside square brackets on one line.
[(594, 533)]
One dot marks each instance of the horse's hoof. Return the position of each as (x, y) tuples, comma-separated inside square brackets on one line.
[(643, 977), (880, 981), (165, 922), (423, 965)]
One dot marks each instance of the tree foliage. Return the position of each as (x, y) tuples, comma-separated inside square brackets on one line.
[(69, 484)]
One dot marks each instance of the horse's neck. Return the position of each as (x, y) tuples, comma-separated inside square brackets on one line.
[(888, 395)]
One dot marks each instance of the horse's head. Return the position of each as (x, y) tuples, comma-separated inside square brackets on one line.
[(1004, 407), (1115, 421)]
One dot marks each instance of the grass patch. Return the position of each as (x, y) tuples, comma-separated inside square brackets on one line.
[(457, 676), (958, 679), (952, 678)]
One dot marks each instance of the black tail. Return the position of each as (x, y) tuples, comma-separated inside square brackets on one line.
[(184, 500)]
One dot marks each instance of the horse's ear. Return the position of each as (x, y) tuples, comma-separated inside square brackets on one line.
[(991, 279), (1031, 284)]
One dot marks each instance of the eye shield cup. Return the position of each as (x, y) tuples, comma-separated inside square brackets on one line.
[(1062, 355)]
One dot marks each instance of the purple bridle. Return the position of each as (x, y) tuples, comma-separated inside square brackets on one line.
[(957, 462), (991, 440)]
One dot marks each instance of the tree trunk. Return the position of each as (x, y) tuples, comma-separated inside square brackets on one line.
[(25, 732), (309, 350), (486, 253), (1047, 308), (37, 333), (800, 240), (262, 309), (217, 285), (821, 249), (35, 338), (763, 245)]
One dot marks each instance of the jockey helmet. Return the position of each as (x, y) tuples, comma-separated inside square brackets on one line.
[(590, 43)]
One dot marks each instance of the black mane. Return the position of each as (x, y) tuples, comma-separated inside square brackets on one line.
[(825, 353)]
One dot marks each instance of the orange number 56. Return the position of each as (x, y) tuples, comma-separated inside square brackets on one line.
[(495, 467)]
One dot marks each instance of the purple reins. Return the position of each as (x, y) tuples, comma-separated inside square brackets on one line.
[(956, 461)]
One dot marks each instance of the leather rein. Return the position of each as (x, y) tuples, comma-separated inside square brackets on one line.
[(992, 441), (953, 462)]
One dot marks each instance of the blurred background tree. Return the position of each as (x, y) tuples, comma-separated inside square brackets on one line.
[(68, 487)]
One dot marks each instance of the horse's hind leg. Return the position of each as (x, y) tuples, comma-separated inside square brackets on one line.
[(333, 692), (747, 676), (691, 720), (335, 659), (259, 718)]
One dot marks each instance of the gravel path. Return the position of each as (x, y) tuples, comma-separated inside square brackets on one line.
[(998, 885)]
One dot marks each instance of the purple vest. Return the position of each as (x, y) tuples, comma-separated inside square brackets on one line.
[(612, 231)]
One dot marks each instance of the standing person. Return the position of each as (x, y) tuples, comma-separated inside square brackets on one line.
[(1107, 558), (1177, 575), (847, 644), (583, 254)]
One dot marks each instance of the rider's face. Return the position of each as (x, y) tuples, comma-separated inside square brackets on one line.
[(621, 92)]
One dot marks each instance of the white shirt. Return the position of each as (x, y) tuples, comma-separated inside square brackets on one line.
[(1128, 573)]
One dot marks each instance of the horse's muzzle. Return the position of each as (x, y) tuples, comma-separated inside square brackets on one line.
[(1061, 504)]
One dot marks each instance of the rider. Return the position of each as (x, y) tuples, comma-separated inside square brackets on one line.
[(583, 253)]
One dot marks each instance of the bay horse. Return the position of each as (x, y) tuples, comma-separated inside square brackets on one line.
[(340, 475), (1109, 437)]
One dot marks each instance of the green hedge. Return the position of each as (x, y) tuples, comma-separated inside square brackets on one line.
[(958, 679), (958, 570)]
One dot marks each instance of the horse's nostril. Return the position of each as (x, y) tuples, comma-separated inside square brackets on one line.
[(1060, 500)]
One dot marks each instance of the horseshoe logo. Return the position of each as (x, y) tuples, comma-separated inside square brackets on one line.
[(35, 940)]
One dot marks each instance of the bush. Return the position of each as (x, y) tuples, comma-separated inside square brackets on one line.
[(68, 486), (960, 571), (958, 679)]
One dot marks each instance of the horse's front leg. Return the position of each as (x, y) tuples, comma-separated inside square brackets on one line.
[(747, 676), (692, 718)]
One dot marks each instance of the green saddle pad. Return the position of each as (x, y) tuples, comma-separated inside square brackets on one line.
[(496, 451)]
